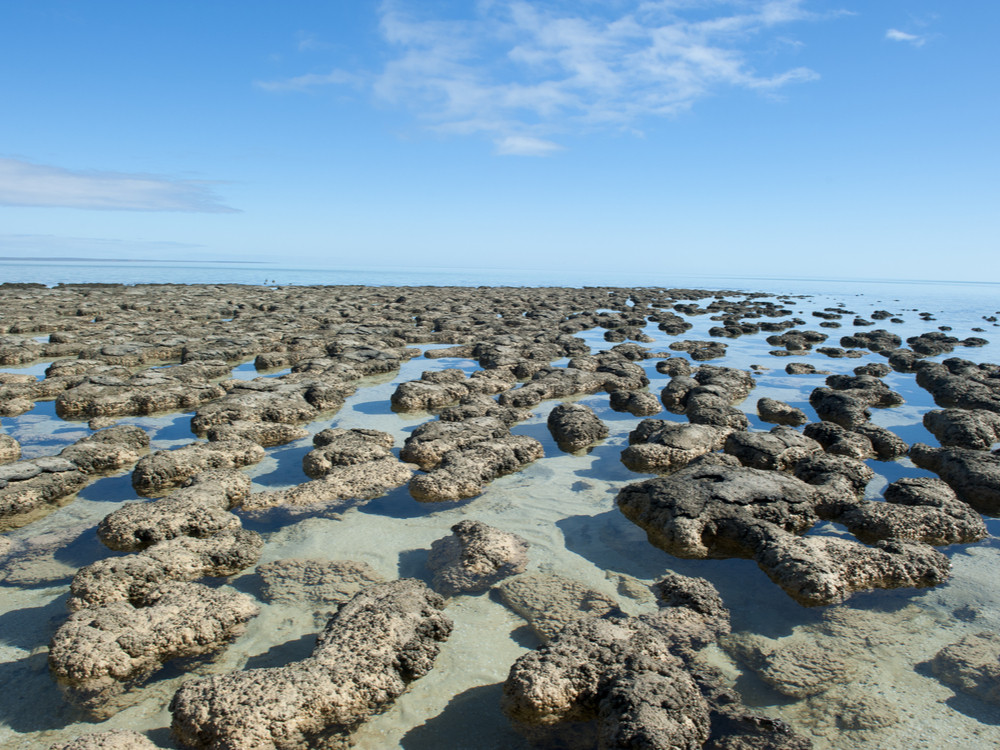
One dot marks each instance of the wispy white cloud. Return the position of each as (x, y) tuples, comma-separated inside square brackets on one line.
[(525, 145), (23, 183), (311, 81), (901, 36), (522, 73)]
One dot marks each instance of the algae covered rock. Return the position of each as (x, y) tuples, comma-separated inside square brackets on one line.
[(370, 651)]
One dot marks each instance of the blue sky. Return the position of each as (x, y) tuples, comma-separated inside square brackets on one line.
[(785, 137)]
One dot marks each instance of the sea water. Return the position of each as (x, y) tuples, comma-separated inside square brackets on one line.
[(563, 505)]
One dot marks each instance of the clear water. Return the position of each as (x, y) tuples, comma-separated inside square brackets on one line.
[(562, 504)]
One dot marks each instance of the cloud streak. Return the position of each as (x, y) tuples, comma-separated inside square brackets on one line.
[(522, 73), (896, 35), (24, 183)]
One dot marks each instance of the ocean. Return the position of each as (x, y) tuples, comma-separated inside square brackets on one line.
[(563, 504)]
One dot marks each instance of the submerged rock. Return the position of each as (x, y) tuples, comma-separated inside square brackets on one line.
[(100, 653), (475, 557), (376, 644), (550, 602), (972, 665), (113, 739)]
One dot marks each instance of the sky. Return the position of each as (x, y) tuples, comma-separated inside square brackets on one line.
[(797, 138)]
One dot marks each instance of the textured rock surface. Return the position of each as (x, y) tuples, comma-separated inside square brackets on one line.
[(917, 509), (797, 670), (113, 739), (575, 427), (162, 470), (778, 412), (637, 403), (200, 509), (344, 486), (779, 449), (130, 578), (971, 665), (475, 557), (550, 602), (381, 640), (463, 473), (660, 446), (99, 653), (711, 510), (974, 475), (976, 429), (321, 583)]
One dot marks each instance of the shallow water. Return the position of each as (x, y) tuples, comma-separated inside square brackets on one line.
[(564, 506)]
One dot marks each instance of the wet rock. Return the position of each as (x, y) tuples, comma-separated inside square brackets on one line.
[(108, 450), (371, 650), (436, 389), (428, 444), (798, 669), (780, 449), (879, 341), (976, 429), (113, 739), (129, 578), (336, 447), (959, 384), (265, 434), (290, 399), (165, 469), (31, 489), (710, 409), (838, 441), (888, 446), (477, 405), (700, 351), (475, 557), (322, 584), (974, 475), (550, 602), (343, 487), (797, 341), (778, 412), (918, 510), (557, 382), (147, 392), (972, 665), (199, 509), (707, 510), (847, 476), (100, 653), (463, 473), (619, 677), (637, 403), (874, 369), (10, 449), (658, 445), (575, 427), (840, 407), (803, 368), (674, 366)]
